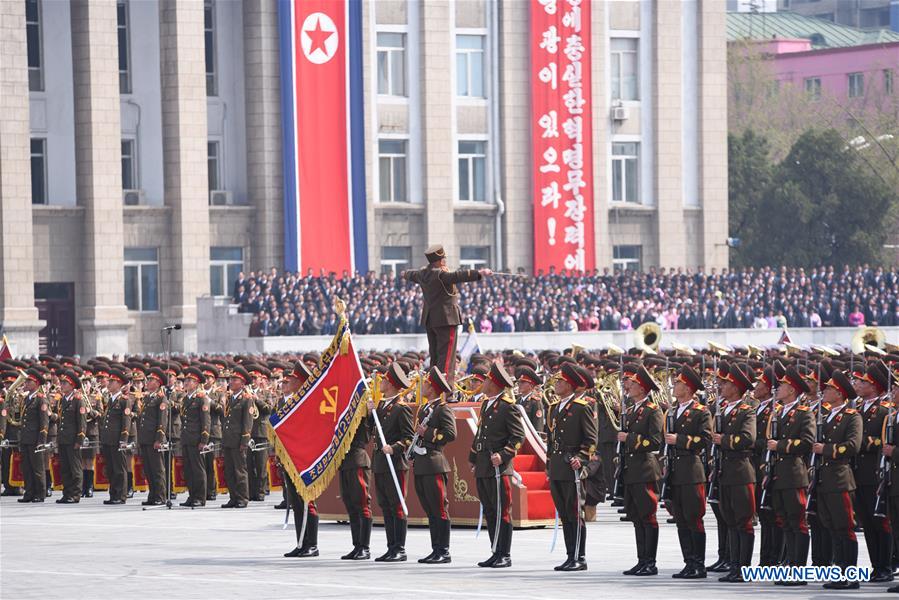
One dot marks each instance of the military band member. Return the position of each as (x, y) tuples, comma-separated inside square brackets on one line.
[(737, 498), (11, 422), (497, 441), (440, 315), (571, 443), (871, 384), (642, 472), (215, 396), (770, 525), (893, 456), (72, 425), (686, 442), (530, 397), (355, 479), (436, 428), (152, 435), (33, 433), (821, 543), (237, 423), (722, 565), (795, 436), (395, 417), (257, 460), (305, 519), (195, 425), (114, 426), (842, 437)]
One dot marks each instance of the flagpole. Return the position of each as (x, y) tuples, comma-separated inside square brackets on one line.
[(396, 481)]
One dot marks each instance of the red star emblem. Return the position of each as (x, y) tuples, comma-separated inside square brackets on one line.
[(318, 37)]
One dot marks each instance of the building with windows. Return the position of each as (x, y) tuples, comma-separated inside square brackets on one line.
[(864, 14), (142, 150)]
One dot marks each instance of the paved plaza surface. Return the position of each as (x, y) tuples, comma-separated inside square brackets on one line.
[(88, 550)]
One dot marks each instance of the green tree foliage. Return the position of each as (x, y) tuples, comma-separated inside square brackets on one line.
[(820, 205)]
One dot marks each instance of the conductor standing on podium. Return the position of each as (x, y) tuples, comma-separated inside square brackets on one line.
[(440, 315)]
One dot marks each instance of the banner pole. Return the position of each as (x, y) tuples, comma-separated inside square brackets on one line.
[(396, 481)]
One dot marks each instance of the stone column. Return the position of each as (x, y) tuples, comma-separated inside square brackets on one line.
[(18, 316), (438, 91), (667, 103), (185, 263), (101, 313), (713, 132), (263, 112)]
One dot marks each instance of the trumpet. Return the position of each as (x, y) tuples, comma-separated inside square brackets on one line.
[(48, 447), (260, 447), (212, 447)]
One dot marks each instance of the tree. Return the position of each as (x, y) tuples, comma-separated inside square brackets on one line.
[(749, 179), (822, 206)]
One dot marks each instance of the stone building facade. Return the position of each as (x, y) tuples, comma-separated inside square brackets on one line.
[(140, 150)]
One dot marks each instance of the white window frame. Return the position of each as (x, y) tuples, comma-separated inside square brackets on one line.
[(223, 265), (616, 55), (855, 82), (470, 158), (613, 159), (392, 156), (390, 50), (396, 265), (126, 74), (139, 265), (812, 86), (474, 263), (622, 263), (40, 48), (471, 31), (211, 4), (43, 156), (219, 173), (135, 165)]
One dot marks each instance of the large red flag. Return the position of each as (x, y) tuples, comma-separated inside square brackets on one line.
[(313, 431), (4, 350)]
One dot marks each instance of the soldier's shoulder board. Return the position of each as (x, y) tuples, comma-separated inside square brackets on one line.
[(509, 399), (745, 406), (581, 401), (652, 405), (802, 407), (850, 411)]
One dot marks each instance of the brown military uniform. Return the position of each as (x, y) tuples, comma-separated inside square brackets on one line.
[(195, 425), (114, 426), (354, 479), (257, 460), (500, 431), (35, 424), (796, 434), (440, 313), (431, 468), (72, 426), (878, 535), (236, 427), (571, 434), (152, 423), (842, 433), (770, 524), (396, 422), (693, 428), (737, 500), (94, 404), (215, 436)]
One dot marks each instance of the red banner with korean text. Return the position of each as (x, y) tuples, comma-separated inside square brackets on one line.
[(561, 135)]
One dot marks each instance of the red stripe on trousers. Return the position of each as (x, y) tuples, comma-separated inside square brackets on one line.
[(401, 475), (449, 355), (442, 488), (700, 526), (747, 524), (507, 500), (803, 520), (850, 515), (366, 499), (651, 519), (313, 510)]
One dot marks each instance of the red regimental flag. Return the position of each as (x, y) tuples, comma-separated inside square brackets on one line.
[(313, 431), (4, 350)]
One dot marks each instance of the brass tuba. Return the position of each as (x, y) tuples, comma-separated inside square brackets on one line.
[(647, 337), (868, 336), (16, 400)]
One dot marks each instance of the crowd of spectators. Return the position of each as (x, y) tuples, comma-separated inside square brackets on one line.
[(767, 297)]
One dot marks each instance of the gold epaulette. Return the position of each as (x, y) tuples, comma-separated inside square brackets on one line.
[(652, 405), (801, 407), (508, 398), (580, 401), (850, 411), (745, 406)]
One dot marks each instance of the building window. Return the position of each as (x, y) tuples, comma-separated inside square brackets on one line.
[(124, 47), (392, 64), (392, 171), (224, 266), (813, 88), (214, 165), (470, 66), (395, 259), (474, 257), (625, 172), (875, 18), (627, 258), (209, 35), (856, 85), (34, 42), (624, 69), (142, 279), (472, 171), (888, 82), (38, 171), (129, 165)]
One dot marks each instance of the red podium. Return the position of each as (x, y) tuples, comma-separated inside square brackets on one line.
[(532, 504)]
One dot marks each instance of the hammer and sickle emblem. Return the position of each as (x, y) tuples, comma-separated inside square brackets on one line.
[(329, 404)]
